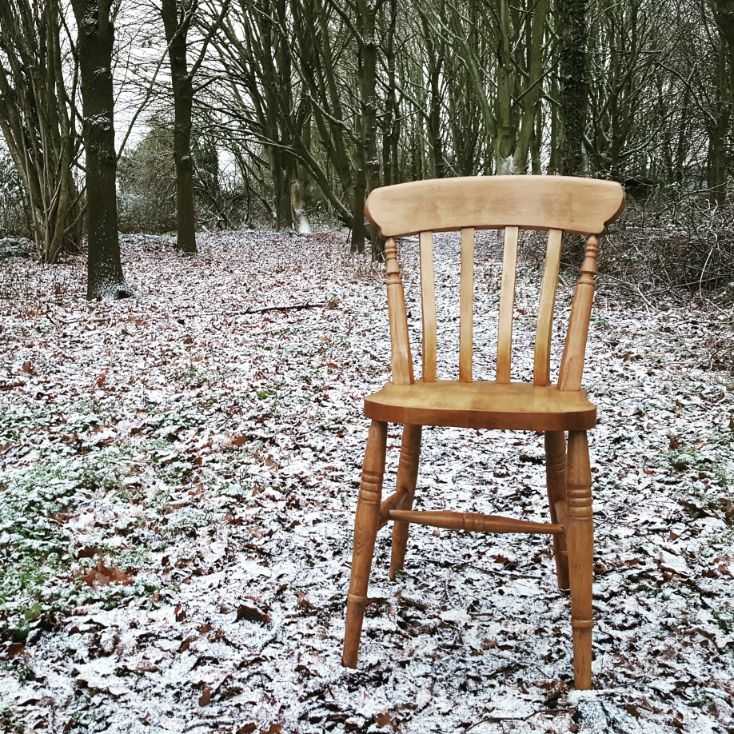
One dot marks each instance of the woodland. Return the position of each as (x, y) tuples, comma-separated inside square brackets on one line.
[(192, 308)]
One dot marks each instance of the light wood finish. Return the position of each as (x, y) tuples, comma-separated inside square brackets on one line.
[(407, 478), (365, 531), (402, 360), (534, 202), (466, 305), (551, 203), (428, 301), (541, 371), (518, 406), (555, 474), (475, 522), (580, 540), (507, 306), (572, 364)]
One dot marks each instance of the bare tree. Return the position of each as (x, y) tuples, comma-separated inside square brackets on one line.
[(178, 16), (96, 35), (37, 120)]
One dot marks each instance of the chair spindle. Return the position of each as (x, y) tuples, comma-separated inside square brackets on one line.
[(572, 363), (402, 361), (466, 305), (507, 305), (428, 306), (544, 332)]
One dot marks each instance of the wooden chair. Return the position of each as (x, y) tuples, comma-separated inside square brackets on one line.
[(550, 203)]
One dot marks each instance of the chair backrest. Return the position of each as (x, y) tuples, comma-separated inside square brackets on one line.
[(550, 203)]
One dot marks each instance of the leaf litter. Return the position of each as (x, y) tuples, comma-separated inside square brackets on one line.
[(178, 477)]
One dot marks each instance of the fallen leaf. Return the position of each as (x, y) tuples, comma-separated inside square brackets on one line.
[(102, 575), (251, 614), (206, 696)]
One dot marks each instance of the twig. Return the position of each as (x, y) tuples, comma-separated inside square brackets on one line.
[(111, 317)]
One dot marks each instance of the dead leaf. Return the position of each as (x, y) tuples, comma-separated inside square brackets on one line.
[(206, 696), (384, 719), (102, 575), (28, 368), (251, 614)]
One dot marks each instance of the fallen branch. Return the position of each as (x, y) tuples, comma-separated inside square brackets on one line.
[(108, 318)]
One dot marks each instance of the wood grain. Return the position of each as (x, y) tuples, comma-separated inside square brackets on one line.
[(574, 351), (366, 523), (428, 307), (478, 404), (507, 306), (548, 288), (466, 305), (474, 522), (402, 360), (535, 202)]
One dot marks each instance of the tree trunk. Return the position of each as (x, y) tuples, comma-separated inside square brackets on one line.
[(96, 36), (176, 26), (571, 27), (718, 158), (38, 123)]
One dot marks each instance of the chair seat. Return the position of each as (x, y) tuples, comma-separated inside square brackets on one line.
[(480, 404)]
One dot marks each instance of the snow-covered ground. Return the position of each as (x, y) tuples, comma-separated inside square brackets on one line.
[(178, 480)]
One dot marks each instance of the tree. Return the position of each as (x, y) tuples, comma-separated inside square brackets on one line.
[(572, 31), (96, 35), (178, 16), (37, 120)]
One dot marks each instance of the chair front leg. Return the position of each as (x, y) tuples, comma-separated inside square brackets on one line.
[(580, 540), (366, 523), (555, 475), (407, 478)]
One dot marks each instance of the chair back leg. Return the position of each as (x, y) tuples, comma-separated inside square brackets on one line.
[(366, 524), (407, 478), (555, 474), (580, 541)]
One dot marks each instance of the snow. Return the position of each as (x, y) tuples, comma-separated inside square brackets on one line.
[(212, 455)]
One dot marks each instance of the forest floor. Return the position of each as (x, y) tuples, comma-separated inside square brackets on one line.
[(178, 478)]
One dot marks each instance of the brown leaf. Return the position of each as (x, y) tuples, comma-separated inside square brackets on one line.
[(13, 650), (238, 441), (206, 696), (273, 729), (251, 614), (179, 614), (186, 643), (28, 368), (102, 379), (384, 719), (247, 728), (102, 575)]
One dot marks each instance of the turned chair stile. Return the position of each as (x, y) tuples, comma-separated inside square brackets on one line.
[(560, 411)]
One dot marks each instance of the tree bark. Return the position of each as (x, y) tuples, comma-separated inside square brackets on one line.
[(571, 26), (177, 21), (37, 123), (95, 41)]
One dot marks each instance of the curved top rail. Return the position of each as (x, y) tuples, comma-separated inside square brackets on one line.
[(583, 205)]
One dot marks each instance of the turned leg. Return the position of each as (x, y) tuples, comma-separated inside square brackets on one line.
[(407, 477), (580, 541), (366, 522), (555, 474)]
